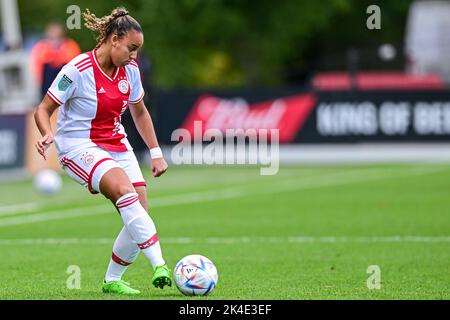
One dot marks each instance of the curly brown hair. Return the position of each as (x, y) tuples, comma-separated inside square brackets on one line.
[(118, 22)]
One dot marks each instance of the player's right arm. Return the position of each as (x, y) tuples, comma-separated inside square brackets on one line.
[(42, 115), (62, 89)]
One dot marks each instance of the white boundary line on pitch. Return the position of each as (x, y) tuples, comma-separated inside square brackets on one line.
[(20, 207), (183, 198), (236, 240), (330, 180), (35, 207)]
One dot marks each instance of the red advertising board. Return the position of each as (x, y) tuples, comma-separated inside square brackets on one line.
[(287, 114)]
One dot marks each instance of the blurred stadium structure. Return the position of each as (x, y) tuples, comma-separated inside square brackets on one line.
[(18, 91), (427, 28), (384, 102)]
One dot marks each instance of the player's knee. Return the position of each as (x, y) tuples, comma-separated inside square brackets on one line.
[(125, 189), (118, 191)]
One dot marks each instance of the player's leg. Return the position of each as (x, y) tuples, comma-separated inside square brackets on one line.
[(87, 167), (124, 253), (161, 276), (116, 186), (128, 162), (125, 249), (142, 193)]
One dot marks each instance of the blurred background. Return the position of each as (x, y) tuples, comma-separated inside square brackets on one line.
[(346, 73)]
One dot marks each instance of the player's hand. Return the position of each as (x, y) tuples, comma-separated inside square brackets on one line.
[(43, 144), (159, 166)]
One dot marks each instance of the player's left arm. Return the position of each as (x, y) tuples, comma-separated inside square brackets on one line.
[(144, 125)]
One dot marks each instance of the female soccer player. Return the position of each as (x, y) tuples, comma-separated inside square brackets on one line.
[(92, 92)]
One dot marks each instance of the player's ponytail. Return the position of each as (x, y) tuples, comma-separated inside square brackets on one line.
[(118, 22)]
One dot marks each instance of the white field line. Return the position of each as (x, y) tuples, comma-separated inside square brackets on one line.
[(34, 207), (192, 179), (235, 240), (286, 185), (192, 197), (329, 180), (19, 208)]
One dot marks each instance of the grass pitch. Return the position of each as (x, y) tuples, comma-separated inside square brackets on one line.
[(305, 233)]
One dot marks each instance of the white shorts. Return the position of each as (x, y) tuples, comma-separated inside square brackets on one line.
[(87, 166)]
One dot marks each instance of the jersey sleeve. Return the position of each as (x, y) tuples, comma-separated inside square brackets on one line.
[(136, 89), (65, 84)]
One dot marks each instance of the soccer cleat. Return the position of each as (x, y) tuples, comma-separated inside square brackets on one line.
[(162, 277), (120, 287)]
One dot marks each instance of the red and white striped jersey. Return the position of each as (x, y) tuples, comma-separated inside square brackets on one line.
[(92, 102)]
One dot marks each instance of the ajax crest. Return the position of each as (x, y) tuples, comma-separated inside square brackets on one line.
[(88, 159), (123, 86)]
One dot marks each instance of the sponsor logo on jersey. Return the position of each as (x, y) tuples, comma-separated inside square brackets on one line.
[(101, 90), (123, 86), (116, 125), (124, 107), (64, 83)]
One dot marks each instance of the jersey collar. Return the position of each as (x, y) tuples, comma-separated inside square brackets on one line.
[(94, 57)]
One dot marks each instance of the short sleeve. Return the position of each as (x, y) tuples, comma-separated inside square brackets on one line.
[(64, 85), (136, 89)]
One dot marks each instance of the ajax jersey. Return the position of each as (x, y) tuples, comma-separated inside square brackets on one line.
[(92, 103)]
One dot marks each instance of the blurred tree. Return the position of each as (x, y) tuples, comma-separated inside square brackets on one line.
[(348, 30), (222, 43)]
